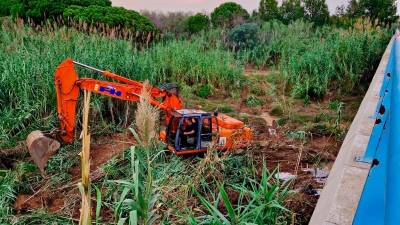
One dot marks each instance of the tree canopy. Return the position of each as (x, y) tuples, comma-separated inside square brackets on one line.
[(228, 14), (379, 11), (112, 16), (197, 23), (269, 9), (316, 11), (90, 11), (291, 10), (39, 10)]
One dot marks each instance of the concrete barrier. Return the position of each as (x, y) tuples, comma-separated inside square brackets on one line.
[(340, 197)]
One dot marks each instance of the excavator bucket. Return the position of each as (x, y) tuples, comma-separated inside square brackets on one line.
[(41, 148)]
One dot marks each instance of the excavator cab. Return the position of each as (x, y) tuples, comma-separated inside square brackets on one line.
[(189, 131)]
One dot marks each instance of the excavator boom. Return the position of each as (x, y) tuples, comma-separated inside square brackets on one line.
[(68, 86)]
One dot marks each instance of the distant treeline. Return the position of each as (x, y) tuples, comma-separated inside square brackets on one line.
[(227, 15), (230, 14), (88, 11)]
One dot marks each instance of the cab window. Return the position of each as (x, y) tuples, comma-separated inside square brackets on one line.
[(206, 132)]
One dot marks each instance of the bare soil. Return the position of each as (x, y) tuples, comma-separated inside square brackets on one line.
[(65, 198)]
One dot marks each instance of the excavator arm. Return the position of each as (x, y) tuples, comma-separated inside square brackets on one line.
[(68, 86)]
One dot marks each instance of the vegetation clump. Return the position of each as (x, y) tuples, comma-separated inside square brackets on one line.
[(111, 16), (228, 14), (198, 23), (244, 36), (91, 12)]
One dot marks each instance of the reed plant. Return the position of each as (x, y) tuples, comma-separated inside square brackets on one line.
[(146, 118), (84, 185)]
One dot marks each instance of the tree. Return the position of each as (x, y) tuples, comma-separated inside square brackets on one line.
[(6, 6), (291, 10), (353, 10), (268, 9), (379, 11), (197, 23), (228, 14), (39, 10), (112, 16), (169, 23), (340, 10), (316, 11)]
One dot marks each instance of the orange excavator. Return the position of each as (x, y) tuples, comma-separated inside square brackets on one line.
[(187, 131)]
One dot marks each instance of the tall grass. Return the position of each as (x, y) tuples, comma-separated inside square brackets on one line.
[(312, 60), (28, 60), (7, 193)]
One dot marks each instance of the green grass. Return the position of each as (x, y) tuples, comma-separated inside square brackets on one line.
[(7, 193), (259, 202)]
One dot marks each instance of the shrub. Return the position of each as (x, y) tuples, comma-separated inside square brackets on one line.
[(228, 14), (204, 91), (112, 16), (244, 36), (226, 109), (276, 110), (197, 23), (192, 62), (253, 101)]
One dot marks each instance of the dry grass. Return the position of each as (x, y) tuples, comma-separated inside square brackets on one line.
[(211, 167), (84, 186), (146, 118)]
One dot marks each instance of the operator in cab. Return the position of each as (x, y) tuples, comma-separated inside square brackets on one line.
[(189, 132)]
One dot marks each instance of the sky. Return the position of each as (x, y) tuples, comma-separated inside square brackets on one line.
[(197, 5)]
